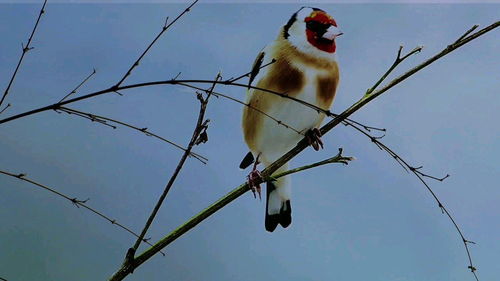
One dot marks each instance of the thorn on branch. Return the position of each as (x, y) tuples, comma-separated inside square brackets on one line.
[(441, 207), (116, 92), (5, 108), (166, 23), (20, 176), (176, 76), (414, 169), (26, 49), (468, 241), (472, 268)]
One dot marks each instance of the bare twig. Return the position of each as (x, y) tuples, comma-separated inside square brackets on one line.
[(467, 33), (243, 188), (5, 108), (420, 175), (87, 116), (79, 85), (165, 28), (339, 158), (26, 49), (250, 72), (75, 201), (397, 61), (103, 120)]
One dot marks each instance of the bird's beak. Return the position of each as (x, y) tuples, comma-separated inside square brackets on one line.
[(332, 32)]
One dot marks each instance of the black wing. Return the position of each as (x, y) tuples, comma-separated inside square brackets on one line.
[(247, 161), (256, 67)]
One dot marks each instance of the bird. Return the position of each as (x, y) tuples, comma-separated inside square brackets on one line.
[(301, 64)]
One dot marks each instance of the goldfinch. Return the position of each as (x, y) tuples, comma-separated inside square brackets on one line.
[(305, 68)]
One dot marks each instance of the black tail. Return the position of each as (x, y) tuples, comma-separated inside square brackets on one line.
[(284, 218)]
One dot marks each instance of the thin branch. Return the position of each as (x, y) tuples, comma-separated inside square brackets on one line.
[(129, 263), (335, 159), (397, 61), (77, 87), (250, 72), (467, 33), (3, 279), (243, 188), (104, 120), (5, 108), (85, 115), (165, 28), (26, 49), (420, 175), (77, 202)]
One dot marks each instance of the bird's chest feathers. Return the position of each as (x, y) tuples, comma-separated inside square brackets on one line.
[(316, 88), (313, 85)]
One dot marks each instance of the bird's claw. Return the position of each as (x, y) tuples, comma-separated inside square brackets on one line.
[(314, 138), (254, 180)]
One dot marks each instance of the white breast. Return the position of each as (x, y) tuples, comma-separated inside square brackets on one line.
[(277, 139)]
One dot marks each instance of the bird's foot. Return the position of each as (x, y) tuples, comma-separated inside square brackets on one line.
[(254, 179), (314, 138)]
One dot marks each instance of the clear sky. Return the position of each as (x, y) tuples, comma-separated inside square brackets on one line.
[(366, 221)]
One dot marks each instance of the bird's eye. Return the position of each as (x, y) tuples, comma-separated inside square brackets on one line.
[(317, 26)]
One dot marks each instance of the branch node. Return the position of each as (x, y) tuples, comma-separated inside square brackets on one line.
[(469, 242), (77, 202), (445, 177), (176, 76), (5, 108), (441, 207), (466, 33), (203, 136), (166, 23), (398, 58), (128, 263)]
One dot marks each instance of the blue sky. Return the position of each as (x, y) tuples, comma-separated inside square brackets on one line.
[(366, 221)]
